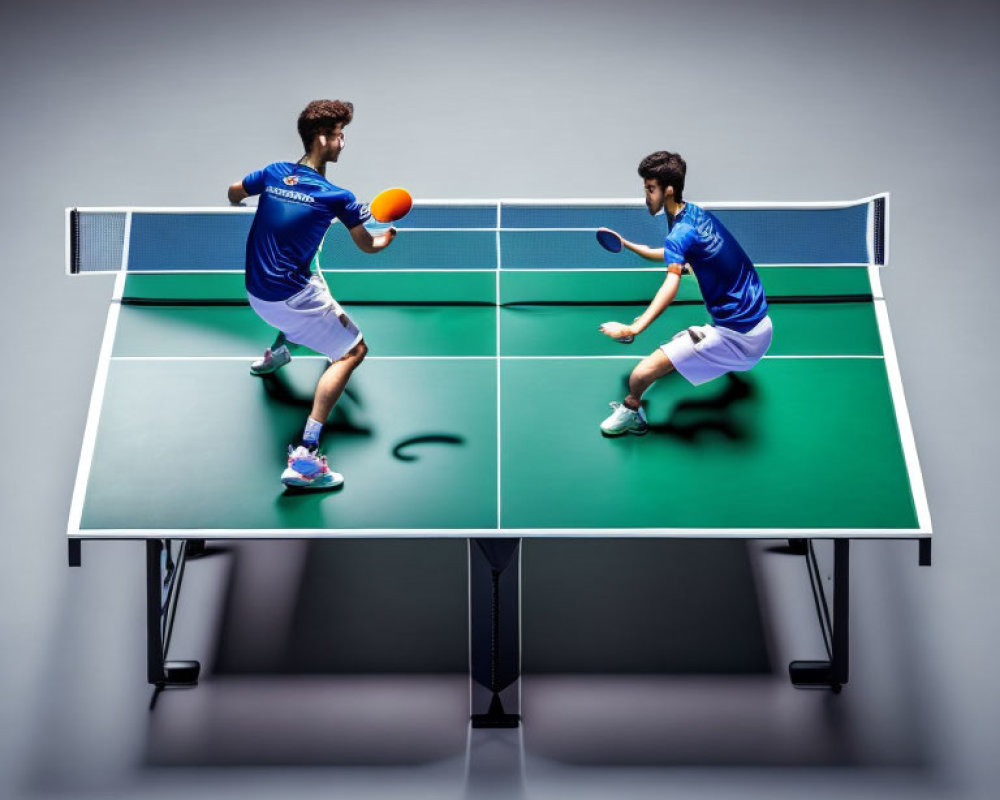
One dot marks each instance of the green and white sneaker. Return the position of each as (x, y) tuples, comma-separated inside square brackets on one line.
[(272, 361), (307, 469), (624, 420)]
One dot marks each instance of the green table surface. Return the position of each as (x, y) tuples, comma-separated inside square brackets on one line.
[(808, 441)]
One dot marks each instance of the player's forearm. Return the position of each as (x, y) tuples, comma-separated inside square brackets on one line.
[(663, 298), (649, 253)]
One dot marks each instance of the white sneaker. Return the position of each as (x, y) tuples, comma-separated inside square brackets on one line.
[(272, 361), (307, 469), (624, 420)]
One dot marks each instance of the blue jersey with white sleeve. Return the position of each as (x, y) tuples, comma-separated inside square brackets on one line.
[(296, 207), (730, 286)]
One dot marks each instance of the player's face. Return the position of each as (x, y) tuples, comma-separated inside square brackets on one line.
[(334, 143), (654, 196)]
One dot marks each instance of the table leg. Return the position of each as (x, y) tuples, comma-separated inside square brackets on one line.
[(833, 673), (494, 632), (163, 587)]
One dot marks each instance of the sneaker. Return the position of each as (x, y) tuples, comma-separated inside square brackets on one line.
[(307, 469), (624, 420), (272, 361)]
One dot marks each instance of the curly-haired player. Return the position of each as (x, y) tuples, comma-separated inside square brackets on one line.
[(297, 205)]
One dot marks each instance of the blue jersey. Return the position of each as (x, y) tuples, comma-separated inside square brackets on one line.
[(729, 283), (296, 207)]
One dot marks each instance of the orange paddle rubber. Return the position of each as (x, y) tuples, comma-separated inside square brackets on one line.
[(392, 204)]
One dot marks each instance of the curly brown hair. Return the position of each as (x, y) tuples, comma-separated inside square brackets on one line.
[(667, 169), (322, 116)]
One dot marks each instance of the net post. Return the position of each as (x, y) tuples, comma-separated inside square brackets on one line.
[(879, 230), (73, 234)]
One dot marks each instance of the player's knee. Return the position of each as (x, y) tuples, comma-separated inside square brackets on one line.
[(652, 368), (353, 357)]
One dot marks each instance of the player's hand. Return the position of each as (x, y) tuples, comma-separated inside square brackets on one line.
[(387, 238), (619, 331)]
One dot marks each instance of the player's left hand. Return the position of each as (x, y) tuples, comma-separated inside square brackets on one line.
[(618, 330)]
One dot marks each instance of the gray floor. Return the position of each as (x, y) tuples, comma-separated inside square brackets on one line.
[(115, 103)]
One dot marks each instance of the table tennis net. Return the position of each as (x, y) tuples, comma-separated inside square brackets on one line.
[(487, 253)]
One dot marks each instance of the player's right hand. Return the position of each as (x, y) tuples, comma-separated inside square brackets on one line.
[(618, 331)]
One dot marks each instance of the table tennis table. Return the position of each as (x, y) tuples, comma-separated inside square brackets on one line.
[(476, 413)]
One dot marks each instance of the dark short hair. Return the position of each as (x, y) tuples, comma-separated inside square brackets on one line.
[(322, 116), (667, 169)]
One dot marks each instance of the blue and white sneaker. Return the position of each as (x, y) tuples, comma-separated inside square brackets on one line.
[(624, 420), (272, 361), (307, 469)]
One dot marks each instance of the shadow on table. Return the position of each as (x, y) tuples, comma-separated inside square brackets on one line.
[(280, 389), (716, 414)]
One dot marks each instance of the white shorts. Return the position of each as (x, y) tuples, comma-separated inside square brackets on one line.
[(703, 352), (311, 318)]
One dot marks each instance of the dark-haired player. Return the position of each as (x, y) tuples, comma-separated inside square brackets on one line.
[(740, 333), (297, 205)]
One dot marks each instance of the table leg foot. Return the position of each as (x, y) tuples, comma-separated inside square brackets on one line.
[(495, 716), (813, 675), (179, 673)]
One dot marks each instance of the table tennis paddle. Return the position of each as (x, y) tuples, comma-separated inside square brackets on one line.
[(391, 204), (609, 240)]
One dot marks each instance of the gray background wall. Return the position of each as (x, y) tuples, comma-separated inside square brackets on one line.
[(141, 103)]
